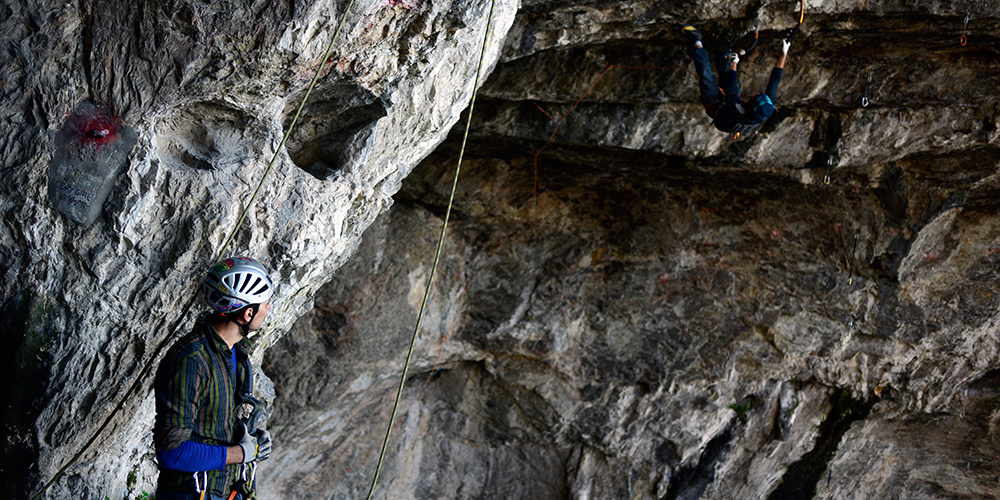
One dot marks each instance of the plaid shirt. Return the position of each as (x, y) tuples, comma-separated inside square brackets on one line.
[(196, 398)]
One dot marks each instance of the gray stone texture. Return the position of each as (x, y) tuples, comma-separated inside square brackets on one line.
[(630, 304), (209, 89)]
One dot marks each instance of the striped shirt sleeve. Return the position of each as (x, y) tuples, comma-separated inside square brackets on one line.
[(180, 383)]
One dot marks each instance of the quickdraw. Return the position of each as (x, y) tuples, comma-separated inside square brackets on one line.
[(247, 484), (756, 37), (802, 17), (850, 261), (864, 98), (964, 40)]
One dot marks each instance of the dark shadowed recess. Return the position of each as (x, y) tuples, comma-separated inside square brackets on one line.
[(24, 364), (335, 126), (802, 477), (692, 481)]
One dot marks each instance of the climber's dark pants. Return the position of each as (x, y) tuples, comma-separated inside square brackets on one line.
[(711, 97)]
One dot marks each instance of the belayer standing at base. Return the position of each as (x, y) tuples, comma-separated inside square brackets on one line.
[(729, 112), (203, 450)]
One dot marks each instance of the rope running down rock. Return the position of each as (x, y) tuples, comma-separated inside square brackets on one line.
[(156, 353), (437, 255)]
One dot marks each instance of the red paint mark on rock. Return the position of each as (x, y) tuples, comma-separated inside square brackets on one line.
[(930, 256), (91, 149), (91, 124), (775, 234), (663, 278)]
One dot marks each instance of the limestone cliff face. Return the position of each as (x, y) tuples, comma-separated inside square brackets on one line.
[(641, 307), (209, 90)]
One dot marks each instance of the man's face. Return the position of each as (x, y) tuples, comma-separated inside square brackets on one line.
[(261, 314)]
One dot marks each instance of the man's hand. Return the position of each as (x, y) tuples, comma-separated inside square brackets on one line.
[(249, 443), (263, 444), (785, 44)]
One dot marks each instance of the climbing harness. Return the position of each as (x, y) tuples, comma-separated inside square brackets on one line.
[(437, 254), (963, 40), (864, 98), (184, 311)]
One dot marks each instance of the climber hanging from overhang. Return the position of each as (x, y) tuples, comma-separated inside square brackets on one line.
[(723, 103)]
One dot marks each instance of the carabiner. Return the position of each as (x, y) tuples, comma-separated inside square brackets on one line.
[(864, 98), (964, 40)]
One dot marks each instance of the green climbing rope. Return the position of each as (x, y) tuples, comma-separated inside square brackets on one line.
[(437, 257)]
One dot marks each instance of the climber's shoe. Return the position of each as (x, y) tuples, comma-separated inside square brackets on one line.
[(691, 32)]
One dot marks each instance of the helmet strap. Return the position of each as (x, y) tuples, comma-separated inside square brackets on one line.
[(245, 327)]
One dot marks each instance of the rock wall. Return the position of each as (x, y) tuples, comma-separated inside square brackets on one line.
[(645, 308), (209, 90), (630, 305)]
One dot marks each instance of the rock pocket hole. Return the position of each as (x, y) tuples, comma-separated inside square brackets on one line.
[(334, 130), (204, 135)]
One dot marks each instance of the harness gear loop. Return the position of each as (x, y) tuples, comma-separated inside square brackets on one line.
[(963, 40)]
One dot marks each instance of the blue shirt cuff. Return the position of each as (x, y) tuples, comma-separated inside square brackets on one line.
[(193, 457)]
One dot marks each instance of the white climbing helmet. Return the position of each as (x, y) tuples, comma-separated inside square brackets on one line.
[(234, 283)]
